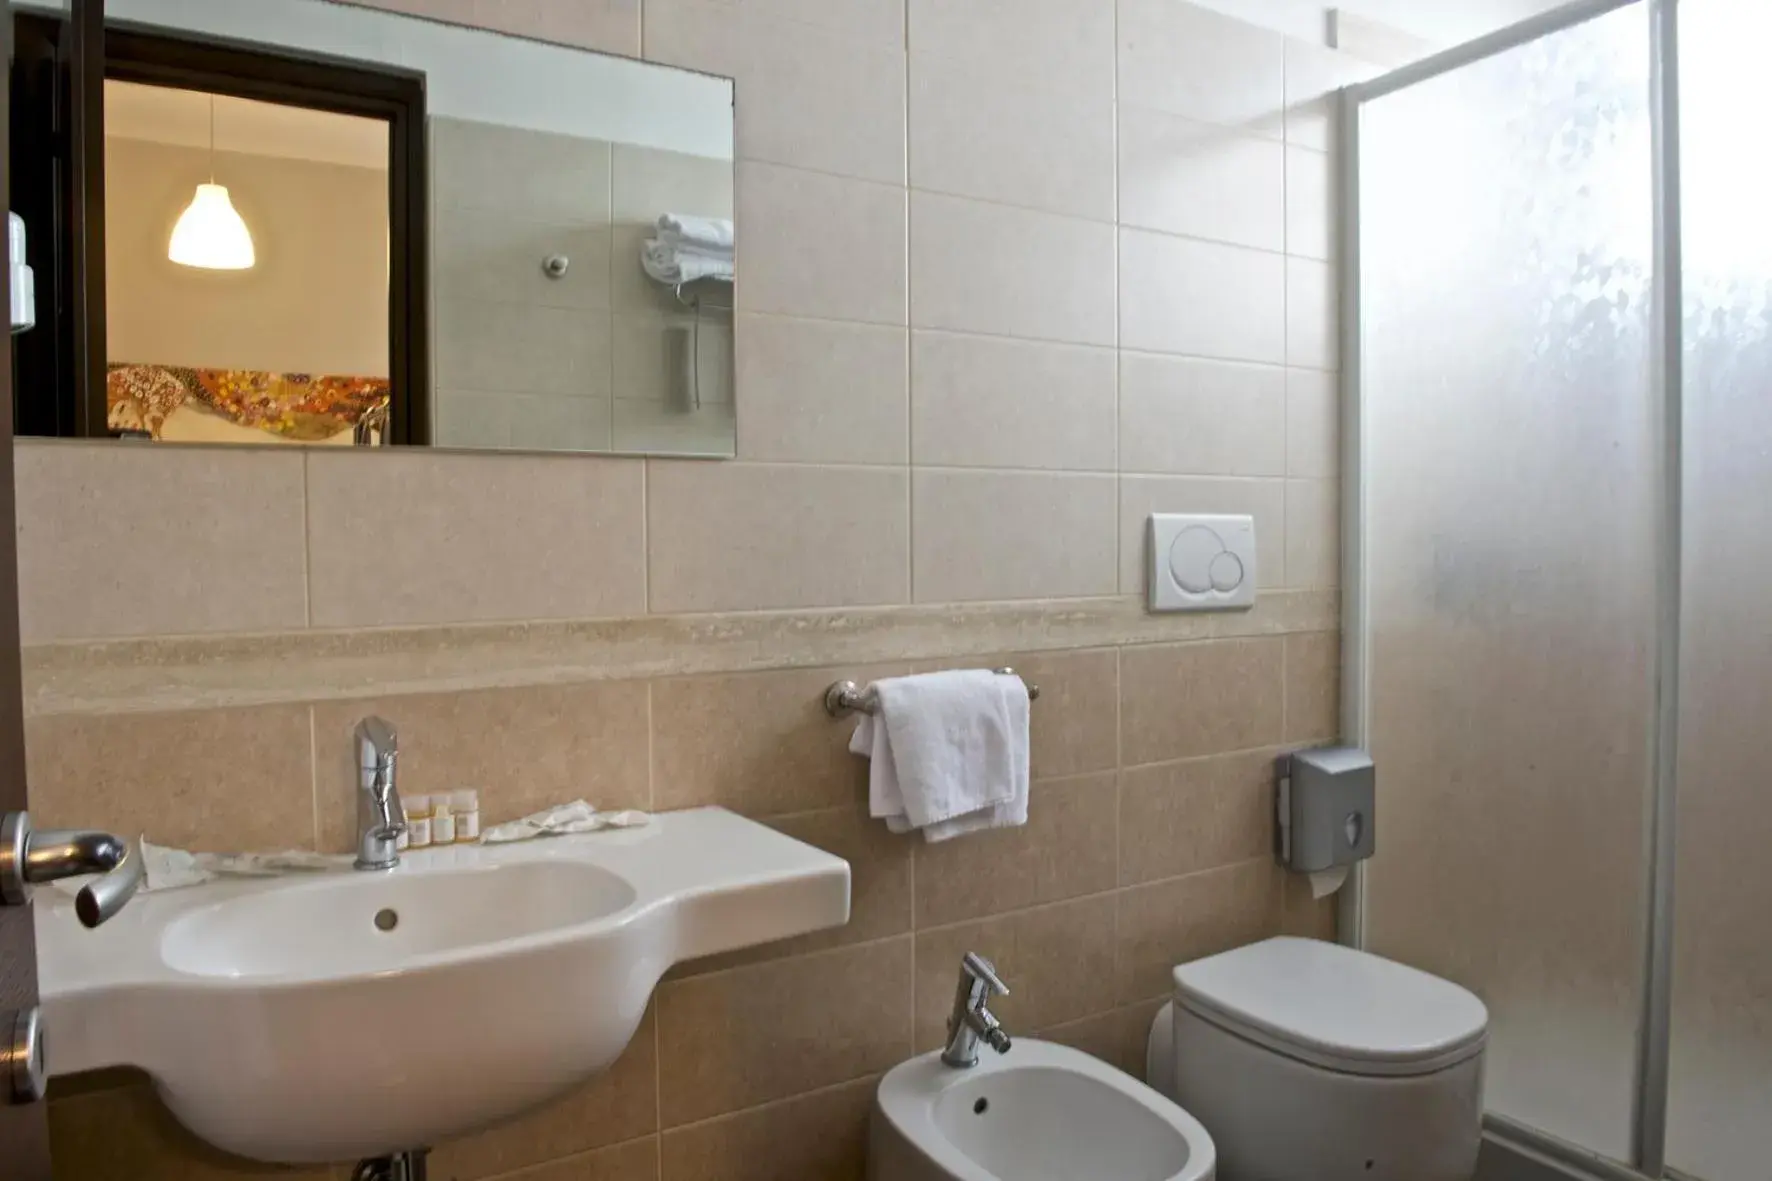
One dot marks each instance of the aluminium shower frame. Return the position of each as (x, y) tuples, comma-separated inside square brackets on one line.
[(1649, 1113)]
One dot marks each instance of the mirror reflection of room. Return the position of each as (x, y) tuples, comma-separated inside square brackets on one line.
[(246, 269)]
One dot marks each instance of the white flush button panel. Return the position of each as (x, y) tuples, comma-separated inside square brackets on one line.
[(1201, 563)]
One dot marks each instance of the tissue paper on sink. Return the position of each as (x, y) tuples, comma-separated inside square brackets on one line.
[(578, 816)]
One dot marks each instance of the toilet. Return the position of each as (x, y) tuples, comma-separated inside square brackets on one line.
[(1308, 1061)]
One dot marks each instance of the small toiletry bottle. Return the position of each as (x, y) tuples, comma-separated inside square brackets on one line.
[(466, 806), (442, 820), (418, 822)]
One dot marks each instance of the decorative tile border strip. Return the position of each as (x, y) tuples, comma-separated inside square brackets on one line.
[(202, 672)]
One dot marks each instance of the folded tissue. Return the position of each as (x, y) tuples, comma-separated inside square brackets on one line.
[(560, 821)]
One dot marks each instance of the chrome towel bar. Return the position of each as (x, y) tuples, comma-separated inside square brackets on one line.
[(846, 697)]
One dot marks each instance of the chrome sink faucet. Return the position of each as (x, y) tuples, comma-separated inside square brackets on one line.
[(380, 817), (971, 1021)]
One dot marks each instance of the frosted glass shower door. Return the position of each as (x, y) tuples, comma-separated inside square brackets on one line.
[(1720, 1102), (1506, 246)]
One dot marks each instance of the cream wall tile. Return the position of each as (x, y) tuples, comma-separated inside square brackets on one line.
[(609, 25), (771, 1143), (469, 418), (455, 538), (636, 1160), (544, 422), (1057, 960), (456, 11), (1021, 145), (130, 541), (619, 1104), (758, 743), (482, 255), (1204, 299), (1312, 322), (222, 780), (820, 391), (522, 749), (978, 267), (645, 181), (1056, 45), (1182, 415), (1313, 687), (1066, 850), (1182, 818), (1313, 423), (659, 429), (735, 1039), (521, 348), (1011, 535), (1183, 701), (981, 401), (824, 246), (1310, 204), (1172, 922), (649, 367), (880, 21), (1140, 496), (1201, 180), (552, 178), (127, 1132), (1119, 1038), (805, 96), (1313, 533), (739, 537), (1187, 60)]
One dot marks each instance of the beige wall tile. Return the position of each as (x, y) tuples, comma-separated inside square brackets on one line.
[(807, 96), (482, 254), (637, 1160), (1140, 496), (1312, 323), (648, 370), (619, 1104), (1191, 61), (1185, 919), (131, 541), (1057, 960), (771, 1143), (609, 25), (127, 1133), (1057, 45), (981, 401), (1202, 180), (1012, 535), (1313, 687), (1313, 423), (1310, 204), (738, 537), (1065, 851), (547, 423), (796, 224), (1023, 145), (522, 749), (819, 391), (1203, 418), (466, 418), (1203, 299), (978, 267), (456, 11), (1181, 701), (646, 180), (548, 177), (1313, 533), (1181, 818), (521, 348), (758, 743), (879, 21), (1118, 1038), (224, 780), (454, 538), (649, 426), (739, 1038), (1305, 916)]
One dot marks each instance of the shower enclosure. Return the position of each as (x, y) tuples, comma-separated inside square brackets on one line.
[(1558, 335)]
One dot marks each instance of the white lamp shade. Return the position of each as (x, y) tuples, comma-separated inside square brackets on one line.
[(210, 233)]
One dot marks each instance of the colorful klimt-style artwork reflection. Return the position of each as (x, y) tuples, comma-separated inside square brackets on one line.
[(295, 407)]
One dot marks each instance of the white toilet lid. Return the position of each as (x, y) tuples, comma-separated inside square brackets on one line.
[(1336, 1007)]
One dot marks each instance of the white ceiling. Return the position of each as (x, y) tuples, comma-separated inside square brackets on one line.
[(160, 114)]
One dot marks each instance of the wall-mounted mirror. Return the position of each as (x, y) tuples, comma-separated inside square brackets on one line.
[(308, 222)]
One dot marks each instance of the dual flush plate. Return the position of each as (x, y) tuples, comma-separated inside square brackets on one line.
[(1201, 563)]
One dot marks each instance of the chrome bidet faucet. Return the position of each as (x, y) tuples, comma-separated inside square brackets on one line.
[(380, 817), (971, 1021)]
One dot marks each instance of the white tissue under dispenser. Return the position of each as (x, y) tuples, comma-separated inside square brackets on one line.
[(1324, 809)]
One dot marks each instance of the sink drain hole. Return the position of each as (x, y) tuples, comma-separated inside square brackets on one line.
[(386, 920), (980, 1107)]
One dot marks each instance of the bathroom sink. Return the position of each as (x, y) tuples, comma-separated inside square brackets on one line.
[(1041, 1112), (335, 1016)]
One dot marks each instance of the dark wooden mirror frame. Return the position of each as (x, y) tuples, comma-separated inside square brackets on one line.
[(59, 377)]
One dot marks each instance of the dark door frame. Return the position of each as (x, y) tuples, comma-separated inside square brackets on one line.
[(156, 56)]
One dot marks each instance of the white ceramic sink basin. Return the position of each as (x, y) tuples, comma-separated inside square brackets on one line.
[(1041, 1112), (281, 1022)]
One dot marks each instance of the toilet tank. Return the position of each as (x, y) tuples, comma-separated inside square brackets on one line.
[(1308, 1061)]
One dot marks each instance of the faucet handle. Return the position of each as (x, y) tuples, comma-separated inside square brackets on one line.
[(377, 743), (985, 972)]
